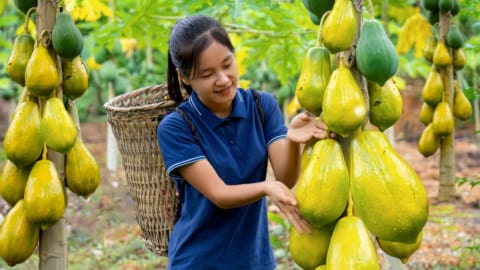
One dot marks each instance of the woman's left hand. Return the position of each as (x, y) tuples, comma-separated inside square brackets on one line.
[(305, 127)]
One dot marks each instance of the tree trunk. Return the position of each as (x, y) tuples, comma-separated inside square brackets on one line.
[(52, 246), (446, 190)]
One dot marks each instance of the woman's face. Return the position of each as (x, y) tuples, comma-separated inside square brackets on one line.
[(216, 79)]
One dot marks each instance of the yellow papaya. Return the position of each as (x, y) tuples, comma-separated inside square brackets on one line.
[(432, 92), (57, 126), (313, 79), (441, 56), (430, 48), (386, 191), (462, 108), (75, 77), (323, 186), (321, 267), (18, 236), (44, 195), (350, 247), (402, 251), (386, 104), (426, 113), (23, 141), (12, 182), (344, 107), (41, 75), (429, 142), (443, 122), (17, 62), (459, 58), (309, 250), (341, 19), (82, 173)]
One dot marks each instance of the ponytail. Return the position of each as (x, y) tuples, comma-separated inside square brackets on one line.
[(173, 84)]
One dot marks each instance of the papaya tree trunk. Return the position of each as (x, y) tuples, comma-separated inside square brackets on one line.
[(446, 190), (52, 242), (476, 101)]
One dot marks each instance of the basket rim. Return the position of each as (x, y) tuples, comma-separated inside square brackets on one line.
[(112, 104)]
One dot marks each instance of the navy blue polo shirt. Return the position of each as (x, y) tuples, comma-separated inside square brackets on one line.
[(205, 236)]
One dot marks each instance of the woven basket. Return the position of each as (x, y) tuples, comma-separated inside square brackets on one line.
[(134, 117)]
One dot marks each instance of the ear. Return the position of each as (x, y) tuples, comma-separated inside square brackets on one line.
[(182, 78)]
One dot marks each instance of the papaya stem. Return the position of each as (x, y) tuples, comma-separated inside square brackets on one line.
[(319, 32), (45, 38), (27, 18), (350, 205), (44, 154), (370, 9)]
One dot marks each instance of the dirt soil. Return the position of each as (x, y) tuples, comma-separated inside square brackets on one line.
[(450, 235)]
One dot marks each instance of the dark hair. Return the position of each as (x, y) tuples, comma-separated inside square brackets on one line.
[(189, 38)]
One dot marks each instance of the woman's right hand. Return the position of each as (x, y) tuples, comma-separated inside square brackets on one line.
[(285, 200)]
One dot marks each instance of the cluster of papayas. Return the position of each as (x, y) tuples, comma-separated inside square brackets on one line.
[(29, 182), (436, 113)]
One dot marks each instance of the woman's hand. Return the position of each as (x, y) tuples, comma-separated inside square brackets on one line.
[(284, 199), (304, 128)]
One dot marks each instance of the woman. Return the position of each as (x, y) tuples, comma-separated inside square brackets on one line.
[(217, 154)]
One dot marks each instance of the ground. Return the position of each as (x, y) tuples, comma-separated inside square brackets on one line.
[(451, 235)]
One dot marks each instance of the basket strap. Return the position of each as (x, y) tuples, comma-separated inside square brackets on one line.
[(256, 97)]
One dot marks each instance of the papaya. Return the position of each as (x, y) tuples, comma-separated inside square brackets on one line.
[(321, 267), (108, 71), (441, 56), (75, 78), (443, 122), (101, 55), (430, 48), (25, 5), (82, 173), (318, 7), (18, 236), (445, 5), (23, 140), (12, 182), (44, 195), (386, 104), (67, 40), (429, 142), (306, 155), (459, 59), (3, 5), (18, 60), (462, 108), (41, 75), (432, 92), (309, 250), (454, 37), (426, 113), (344, 107), (431, 5), (324, 177), (350, 246), (386, 191), (57, 126), (315, 20), (402, 251), (341, 19), (313, 79), (456, 8), (433, 17), (375, 54)]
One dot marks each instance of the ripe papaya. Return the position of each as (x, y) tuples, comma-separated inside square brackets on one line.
[(12, 182), (82, 173), (75, 78), (58, 129), (18, 236), (341, 19), (459, 59), (309, 250), (443, 122), (25, 5), (462, 108), (313, 79), (41, 75), (344, 107), (441, 56), (432, 92), (44, 196), (350, 246), (386, 104), (429, 142), (430, 48), (67, 40), (324, 177), (375, 54), (23, 140), (402, 251), (18, 60), (387, 193), (426, 113)]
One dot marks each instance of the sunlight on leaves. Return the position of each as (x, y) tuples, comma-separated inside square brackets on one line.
[(88, 10), (414, 34)]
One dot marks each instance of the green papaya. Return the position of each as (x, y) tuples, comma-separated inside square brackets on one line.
[(18, 236), (41, 74), (44, 195), (443, 122), (75, 78), (429, 142), (12, 182), (25, 5), (462, 108), (102, 55), (23, 142), (433, 17), (309, 250), (18, 60), (82, 173), (426, 113), (58, 129), (108, 71), (313, 79), (324, 176), (375, 54), (445, 5), (402, 251), (341, 19), (456, 8), (344, 107), (454, 37), (431, 5), (432, 92), (67, 40), (350, 247), (386, 104), (318, 7), (386, 191), (315, 20)]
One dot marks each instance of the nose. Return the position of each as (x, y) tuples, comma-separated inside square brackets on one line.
[(222, 78)]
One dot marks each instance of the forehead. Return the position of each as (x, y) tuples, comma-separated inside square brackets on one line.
[(214, 54)]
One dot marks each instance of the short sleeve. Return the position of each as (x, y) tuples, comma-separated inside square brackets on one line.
[(177, 143), (274, 126)]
